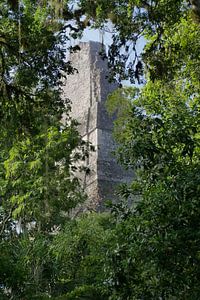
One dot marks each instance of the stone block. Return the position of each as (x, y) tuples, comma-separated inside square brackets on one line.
[(88, 91)]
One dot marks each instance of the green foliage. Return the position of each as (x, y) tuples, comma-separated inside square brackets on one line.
[(39, 176), (148, 251), (39, 154), (80, 256), (66, 265), (135, 20), (119, 104), (157, 243), (159, 139), (155, 255)]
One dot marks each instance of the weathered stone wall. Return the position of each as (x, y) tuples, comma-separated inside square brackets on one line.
[(88, 90)]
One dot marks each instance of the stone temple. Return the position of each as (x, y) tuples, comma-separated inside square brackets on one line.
[(88, 91)]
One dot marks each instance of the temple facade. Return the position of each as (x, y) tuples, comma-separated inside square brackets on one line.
[(88, 91)]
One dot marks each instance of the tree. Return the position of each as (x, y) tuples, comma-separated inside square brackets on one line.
[(79, 251), (37, 161), (158, 133), (160, 141), (148, 251), (133, 19), (39, 154)]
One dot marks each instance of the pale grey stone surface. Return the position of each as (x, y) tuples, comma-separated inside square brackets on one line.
[(88, 90)]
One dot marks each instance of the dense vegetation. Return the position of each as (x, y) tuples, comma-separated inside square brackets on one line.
[(146, 251)]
